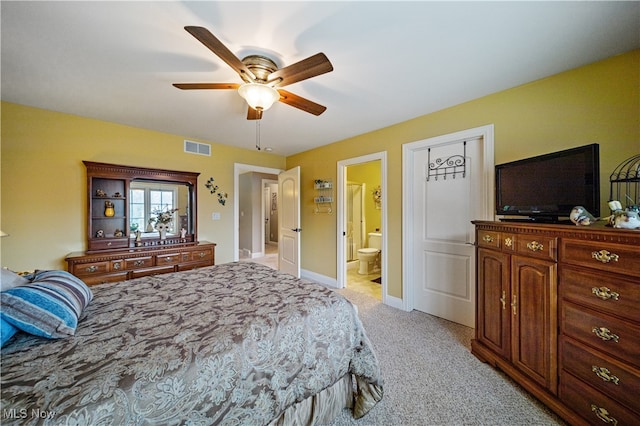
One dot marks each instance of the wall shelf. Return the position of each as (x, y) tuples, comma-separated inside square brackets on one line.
[(323, 198)]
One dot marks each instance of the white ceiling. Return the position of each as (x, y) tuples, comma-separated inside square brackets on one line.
[(393, 61)]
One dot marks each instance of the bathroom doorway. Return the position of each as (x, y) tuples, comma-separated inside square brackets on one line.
[(362, 218)]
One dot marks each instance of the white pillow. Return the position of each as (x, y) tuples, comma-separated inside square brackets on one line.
[(10, 280)]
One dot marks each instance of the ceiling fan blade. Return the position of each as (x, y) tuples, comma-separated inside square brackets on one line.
[(198, 86), (313, 66), (205, 37), (253, 114), (301, 103)]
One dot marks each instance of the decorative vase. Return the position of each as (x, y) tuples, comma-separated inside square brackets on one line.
[(109, 211), (163, 233)]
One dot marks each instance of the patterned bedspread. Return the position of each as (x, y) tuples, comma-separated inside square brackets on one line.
[(235, 344)]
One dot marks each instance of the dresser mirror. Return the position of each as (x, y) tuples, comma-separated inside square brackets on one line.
[(147, 197), (125, 204)]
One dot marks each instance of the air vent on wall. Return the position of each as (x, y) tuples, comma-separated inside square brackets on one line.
[(197, 148)]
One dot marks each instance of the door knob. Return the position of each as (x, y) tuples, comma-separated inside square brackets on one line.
[(296, 229)]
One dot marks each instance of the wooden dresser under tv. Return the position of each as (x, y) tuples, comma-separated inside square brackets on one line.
[(558, 310)]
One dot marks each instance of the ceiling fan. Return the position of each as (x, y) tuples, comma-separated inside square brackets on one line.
[(262, 78)]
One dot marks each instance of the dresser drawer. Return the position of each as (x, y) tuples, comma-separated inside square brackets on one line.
[(139, 262), (193, 265), (491, 239), (611, 335), (106, 278), (87, 269), (202, 255), (168, 259), (537, 246), (622, 259), (595, 407), (152, 271), (609, 376), (604, 292), (108, 243)]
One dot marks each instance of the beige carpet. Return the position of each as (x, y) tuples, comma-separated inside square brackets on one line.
[(431, 378)]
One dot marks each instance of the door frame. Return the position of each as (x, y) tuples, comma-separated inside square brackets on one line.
[(408, 150), (341, 264), (238, 169)]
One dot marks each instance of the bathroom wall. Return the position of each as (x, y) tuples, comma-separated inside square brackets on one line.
[(371, 175)]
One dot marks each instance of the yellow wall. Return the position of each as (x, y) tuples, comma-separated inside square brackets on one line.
[(595, 103), (44, 183), (43, 204)]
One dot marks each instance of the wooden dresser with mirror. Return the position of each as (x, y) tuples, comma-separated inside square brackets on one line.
[(124, 203), (558, 310)]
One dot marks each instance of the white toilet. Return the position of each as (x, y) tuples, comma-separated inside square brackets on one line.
[(370, 257)]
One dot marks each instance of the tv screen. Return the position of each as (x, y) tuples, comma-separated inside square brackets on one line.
[(546, 188)]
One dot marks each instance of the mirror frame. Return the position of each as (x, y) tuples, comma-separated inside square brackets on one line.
[(133, 173)]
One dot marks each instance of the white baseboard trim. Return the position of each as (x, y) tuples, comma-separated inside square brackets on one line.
[(319, 278), (394, 302)]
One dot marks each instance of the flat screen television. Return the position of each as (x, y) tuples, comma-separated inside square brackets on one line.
[(545, 188)]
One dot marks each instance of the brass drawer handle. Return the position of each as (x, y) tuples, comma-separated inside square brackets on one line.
[(202, 254), (138, 263), (503, 300), (604, 415), (508, 242), (605, 293), (605, 334), (92, 268), (535, 246), (168, 259), (116, 266), (514, 304), (605, 374), (487, 238), (604, 256)]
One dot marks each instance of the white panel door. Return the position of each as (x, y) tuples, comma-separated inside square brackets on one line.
[(444, 206), (289, 221)]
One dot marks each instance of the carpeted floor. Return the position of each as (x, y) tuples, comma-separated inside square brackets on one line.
[(431, 378)]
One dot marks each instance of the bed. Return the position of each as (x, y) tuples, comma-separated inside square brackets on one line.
[(232, 344)]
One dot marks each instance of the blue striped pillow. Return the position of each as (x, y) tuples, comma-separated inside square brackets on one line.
[(49, 306), (6, 331)]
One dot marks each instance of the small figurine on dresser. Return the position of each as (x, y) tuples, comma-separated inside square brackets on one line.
[(581, 217), (626, 220), (623, 219)]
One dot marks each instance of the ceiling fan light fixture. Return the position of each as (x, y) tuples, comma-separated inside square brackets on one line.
[(259, 96)]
